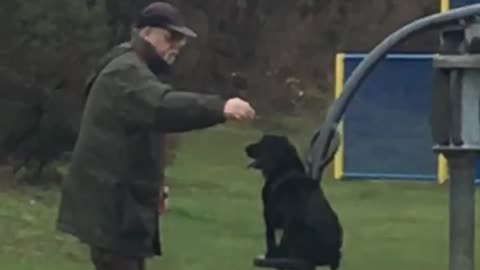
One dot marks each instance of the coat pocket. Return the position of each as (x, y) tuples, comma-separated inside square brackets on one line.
[(139, 213)]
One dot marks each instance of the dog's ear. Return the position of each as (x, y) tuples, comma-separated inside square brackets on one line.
[(289, 156)]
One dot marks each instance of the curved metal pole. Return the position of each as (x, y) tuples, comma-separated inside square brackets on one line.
[(323, 136)]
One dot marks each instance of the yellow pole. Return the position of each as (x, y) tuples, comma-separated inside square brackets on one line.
[(442, 164), (339, 81), (444, 5)]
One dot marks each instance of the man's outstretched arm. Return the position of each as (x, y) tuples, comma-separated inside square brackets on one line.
[(151, 103)]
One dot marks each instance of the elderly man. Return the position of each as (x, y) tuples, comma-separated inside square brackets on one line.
[(110, 196)]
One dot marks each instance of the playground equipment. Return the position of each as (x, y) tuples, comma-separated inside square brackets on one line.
[(385, 132), (456, 129), (393, 105), (454, 138)]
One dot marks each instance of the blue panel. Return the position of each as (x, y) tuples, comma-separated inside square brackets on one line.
[(386, 127), (460, 3)]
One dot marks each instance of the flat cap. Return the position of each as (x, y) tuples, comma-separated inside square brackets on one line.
[(165, 15)]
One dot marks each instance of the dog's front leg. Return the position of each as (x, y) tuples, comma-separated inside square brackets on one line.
[(285, 247), (270, 237)]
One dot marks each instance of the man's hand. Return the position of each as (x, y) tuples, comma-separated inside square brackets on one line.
[(238, 109)]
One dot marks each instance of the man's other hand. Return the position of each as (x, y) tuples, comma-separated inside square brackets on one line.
[(238, 109)]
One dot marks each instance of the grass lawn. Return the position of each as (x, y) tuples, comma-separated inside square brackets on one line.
[(214, 220)]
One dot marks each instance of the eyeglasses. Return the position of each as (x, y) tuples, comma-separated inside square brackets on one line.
[(177, 38)]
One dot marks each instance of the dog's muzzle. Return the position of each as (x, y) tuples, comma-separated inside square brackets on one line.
[(255, 164)]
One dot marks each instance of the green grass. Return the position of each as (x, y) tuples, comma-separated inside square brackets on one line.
[(214, 220)]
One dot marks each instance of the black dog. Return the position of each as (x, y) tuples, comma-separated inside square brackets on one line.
[(295, 204)]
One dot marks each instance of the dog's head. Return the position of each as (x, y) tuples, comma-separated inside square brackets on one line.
[(273, 153)]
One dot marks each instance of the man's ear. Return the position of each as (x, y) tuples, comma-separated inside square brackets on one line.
[(145, 32)]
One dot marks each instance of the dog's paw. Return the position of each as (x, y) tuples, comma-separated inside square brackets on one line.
[(275, 253)]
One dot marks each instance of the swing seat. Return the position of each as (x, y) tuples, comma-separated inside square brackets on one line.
[(281, 263)]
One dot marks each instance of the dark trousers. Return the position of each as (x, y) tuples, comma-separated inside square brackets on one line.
[(105, 260)]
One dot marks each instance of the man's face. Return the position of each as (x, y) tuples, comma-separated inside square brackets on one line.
[(167, 43)]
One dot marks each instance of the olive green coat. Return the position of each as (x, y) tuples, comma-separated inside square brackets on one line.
[(110, 195)]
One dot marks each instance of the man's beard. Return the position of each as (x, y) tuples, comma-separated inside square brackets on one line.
[(155, 62), (170, 56)]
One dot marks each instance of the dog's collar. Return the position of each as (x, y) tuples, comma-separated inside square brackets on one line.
[(291, 174)]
